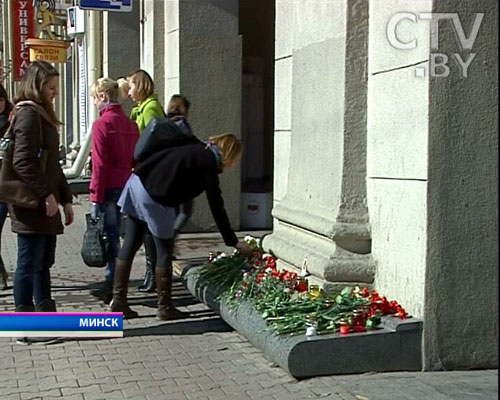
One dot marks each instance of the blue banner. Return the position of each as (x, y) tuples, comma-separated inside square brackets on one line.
[(53, 322), (106, 5)]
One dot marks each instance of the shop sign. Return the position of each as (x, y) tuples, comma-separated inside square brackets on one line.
[(23, 27), (52, 51)]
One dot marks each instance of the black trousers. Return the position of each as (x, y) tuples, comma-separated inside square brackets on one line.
[(135, 233)]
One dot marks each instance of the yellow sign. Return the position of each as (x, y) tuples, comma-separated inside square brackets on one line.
[(53, 51)]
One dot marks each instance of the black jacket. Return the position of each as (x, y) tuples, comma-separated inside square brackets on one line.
[(176, 174)]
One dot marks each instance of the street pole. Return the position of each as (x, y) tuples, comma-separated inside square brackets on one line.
[(93, 44), (7, 48)]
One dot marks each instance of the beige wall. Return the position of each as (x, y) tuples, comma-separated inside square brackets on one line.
[(432, 180)]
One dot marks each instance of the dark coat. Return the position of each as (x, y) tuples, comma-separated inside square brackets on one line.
[(26, 163), (4, 124), (177, 174)]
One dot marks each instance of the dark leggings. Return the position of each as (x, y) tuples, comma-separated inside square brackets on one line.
[(135, 230)]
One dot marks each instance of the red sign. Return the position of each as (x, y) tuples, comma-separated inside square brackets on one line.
[(23, 27)]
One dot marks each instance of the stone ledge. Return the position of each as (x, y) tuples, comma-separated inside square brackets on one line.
[(394, 347)]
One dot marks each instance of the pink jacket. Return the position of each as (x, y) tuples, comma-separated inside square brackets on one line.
[(114, 136)]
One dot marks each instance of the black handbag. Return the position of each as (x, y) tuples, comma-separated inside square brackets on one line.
[(95, 246)]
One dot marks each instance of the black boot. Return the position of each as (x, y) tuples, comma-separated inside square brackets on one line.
[(149, 284), (104, 292), (25, 308), (47, 305), (3, 275)]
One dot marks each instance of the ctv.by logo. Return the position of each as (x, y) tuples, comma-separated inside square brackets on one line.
[(438, 62)]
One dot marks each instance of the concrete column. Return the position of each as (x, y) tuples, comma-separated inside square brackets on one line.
[(433, 174), (203, 62), (171, 53), (94, 54), (152, 43), (7, 49), (121, 42), (320, 153)]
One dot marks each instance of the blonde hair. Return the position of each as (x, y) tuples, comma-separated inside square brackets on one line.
[(106, 86), (123, 86), (143, 82), (178, 104), (230, 148)]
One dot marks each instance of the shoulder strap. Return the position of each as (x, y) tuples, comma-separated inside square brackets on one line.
[(12, 119)]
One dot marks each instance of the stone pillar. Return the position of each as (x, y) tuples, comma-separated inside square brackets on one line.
[(152, 43), (171, 53), (320, 152), (121, 51), (433, 173), (121, 42), (203, 62)]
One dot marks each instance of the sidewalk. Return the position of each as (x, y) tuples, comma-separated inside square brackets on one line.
[(197, 358)]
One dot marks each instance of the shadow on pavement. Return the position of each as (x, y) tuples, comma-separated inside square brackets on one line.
[(181, 327)]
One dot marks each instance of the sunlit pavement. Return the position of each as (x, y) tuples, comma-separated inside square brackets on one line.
[(199, 357)]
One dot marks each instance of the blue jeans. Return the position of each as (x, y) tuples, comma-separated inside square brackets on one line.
[(3, 216), (112, 220), (35, 256)]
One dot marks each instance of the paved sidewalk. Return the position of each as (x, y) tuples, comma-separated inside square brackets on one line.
[(197, 358)]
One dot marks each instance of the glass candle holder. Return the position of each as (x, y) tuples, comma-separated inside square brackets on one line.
[(359, 321), (344, 326), (314, 292), (311, 324)]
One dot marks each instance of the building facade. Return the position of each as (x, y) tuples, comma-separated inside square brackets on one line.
[(373, 125)]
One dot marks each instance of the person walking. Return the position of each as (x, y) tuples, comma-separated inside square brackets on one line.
[(141, 90), (5, 109), (37, 229), (169, 177), (114, 136)]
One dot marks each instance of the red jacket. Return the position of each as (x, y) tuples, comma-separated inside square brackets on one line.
[(114, 136)]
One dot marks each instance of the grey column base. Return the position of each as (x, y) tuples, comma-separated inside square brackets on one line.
[(394, 347), (327, 261)]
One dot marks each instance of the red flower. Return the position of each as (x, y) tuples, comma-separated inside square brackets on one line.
[(301, 287)]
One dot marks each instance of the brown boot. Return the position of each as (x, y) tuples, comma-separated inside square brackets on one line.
[(120, 289), (166, 310)]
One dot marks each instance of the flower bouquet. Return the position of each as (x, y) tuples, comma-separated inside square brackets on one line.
[(287, 302)]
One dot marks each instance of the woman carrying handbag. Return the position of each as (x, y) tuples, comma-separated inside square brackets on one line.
[(36, 138), (114, 136)]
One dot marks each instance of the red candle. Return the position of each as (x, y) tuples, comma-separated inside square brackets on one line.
[(344, 329)]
